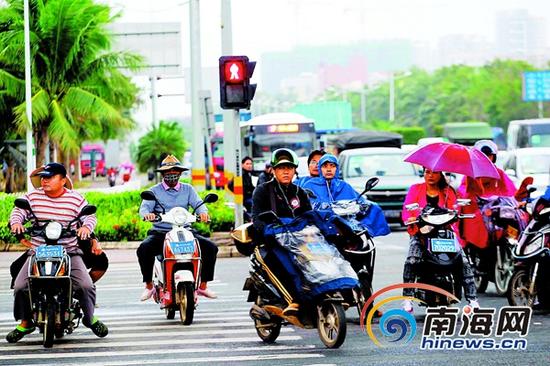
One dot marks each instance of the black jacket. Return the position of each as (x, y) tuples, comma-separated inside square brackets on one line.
[(290, 201)]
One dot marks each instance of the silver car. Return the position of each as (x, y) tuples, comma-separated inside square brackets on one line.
[(386, 163)]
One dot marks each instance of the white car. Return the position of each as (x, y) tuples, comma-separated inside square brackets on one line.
[(529, 162)]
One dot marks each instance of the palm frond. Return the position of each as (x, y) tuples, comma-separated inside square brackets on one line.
[(61, 131)]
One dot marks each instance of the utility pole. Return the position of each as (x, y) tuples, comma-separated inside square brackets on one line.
[(231, 119), (31, 157), (198, 173)]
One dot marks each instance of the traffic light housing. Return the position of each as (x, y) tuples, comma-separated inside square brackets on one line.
[(236, 92)]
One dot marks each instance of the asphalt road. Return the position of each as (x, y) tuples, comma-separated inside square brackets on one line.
[(222, 332)]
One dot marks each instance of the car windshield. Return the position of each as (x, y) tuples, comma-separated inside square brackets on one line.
[(534, 164), (379, 165)]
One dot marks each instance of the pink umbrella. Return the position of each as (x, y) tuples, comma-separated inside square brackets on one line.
[(454, 158)]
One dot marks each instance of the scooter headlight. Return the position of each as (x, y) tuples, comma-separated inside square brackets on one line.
[(53, 230), (438, 219), (534, 245)]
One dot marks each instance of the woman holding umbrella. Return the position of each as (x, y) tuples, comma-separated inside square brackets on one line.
[(436, 192)]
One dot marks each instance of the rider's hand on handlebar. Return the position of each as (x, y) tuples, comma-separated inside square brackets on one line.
[(149, 217), (203, 217), (83, 233), (17, 229)]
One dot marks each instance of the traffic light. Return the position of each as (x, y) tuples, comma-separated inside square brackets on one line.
[(236, 92)]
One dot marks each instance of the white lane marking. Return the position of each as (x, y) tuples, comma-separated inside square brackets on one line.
[(97, 343)]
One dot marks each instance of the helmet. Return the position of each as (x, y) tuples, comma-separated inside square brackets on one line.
[(284, 156), (486, 147)]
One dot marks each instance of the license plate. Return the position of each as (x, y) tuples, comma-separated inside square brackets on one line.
[(392, 213), (49, 251), (319, 248), (512, 232), (183, 247), (443, 245)]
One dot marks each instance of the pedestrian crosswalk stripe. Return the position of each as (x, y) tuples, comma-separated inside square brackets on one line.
[(243, 358), (104, 343)]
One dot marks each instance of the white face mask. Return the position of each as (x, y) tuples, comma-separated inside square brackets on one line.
[(171, 179)]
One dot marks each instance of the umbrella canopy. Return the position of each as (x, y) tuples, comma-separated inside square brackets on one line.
[(454, 158)]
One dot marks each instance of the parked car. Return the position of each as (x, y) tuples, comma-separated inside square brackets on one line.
[(386, 163), (529, 162)]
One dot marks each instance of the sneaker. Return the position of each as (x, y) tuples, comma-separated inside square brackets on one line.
[(18, 333), (408, 306), (207, 293), (147, 294), (291, 310), (98, 327)]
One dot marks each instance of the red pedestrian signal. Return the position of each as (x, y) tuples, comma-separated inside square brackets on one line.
[(234, 72), (236, 92)]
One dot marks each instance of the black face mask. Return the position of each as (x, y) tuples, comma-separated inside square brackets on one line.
[(171, 179)]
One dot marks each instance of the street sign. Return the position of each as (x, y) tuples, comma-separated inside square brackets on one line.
[(536, 86)]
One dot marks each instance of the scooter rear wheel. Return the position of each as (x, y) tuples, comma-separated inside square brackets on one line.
[(503, 273), (331, 324)]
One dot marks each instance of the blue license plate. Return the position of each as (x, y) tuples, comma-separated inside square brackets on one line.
[(49, 251), (183, 247), (443, 245), (319, 248)]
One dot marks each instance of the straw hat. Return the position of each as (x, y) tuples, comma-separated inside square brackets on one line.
[(171, 162)]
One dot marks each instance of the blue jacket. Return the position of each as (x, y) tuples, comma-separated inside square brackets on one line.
[(337, 189)]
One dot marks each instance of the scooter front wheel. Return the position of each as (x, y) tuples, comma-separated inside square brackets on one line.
[(518, 289), (186, 296), (503, 272), (331, 324), (49, 326), (268, 332)]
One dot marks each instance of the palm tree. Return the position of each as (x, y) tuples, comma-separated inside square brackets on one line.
[(78, 90), (160, 141)]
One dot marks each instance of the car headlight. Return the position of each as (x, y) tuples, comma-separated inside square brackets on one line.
[(53, 230)]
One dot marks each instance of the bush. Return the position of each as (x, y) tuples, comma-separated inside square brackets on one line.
[(411, 135), (118, 218)]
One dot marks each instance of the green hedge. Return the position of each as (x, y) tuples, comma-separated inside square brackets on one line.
[(118, 218)]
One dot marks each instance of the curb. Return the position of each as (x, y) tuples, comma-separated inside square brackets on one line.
[(226, 248)]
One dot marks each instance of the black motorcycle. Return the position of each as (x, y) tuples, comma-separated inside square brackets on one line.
[(504, 221), (529, 285), (441, 264), (327, 279), (55, 310)]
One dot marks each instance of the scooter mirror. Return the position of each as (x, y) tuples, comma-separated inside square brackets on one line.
[(268, 216), (412, 206), (371, 183), (310, 193), (22, 204), (210, 198), (88, 210), (148, 196)]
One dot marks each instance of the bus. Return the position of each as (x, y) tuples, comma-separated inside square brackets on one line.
[(263, 134), (92, 155)]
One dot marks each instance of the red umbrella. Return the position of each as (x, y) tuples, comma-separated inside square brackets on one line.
[(454, 158)]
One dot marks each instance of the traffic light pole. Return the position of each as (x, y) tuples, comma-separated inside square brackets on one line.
[(198, 173), (238, 179)]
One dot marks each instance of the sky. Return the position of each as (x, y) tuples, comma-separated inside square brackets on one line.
[(280, 25), (261, 26)]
